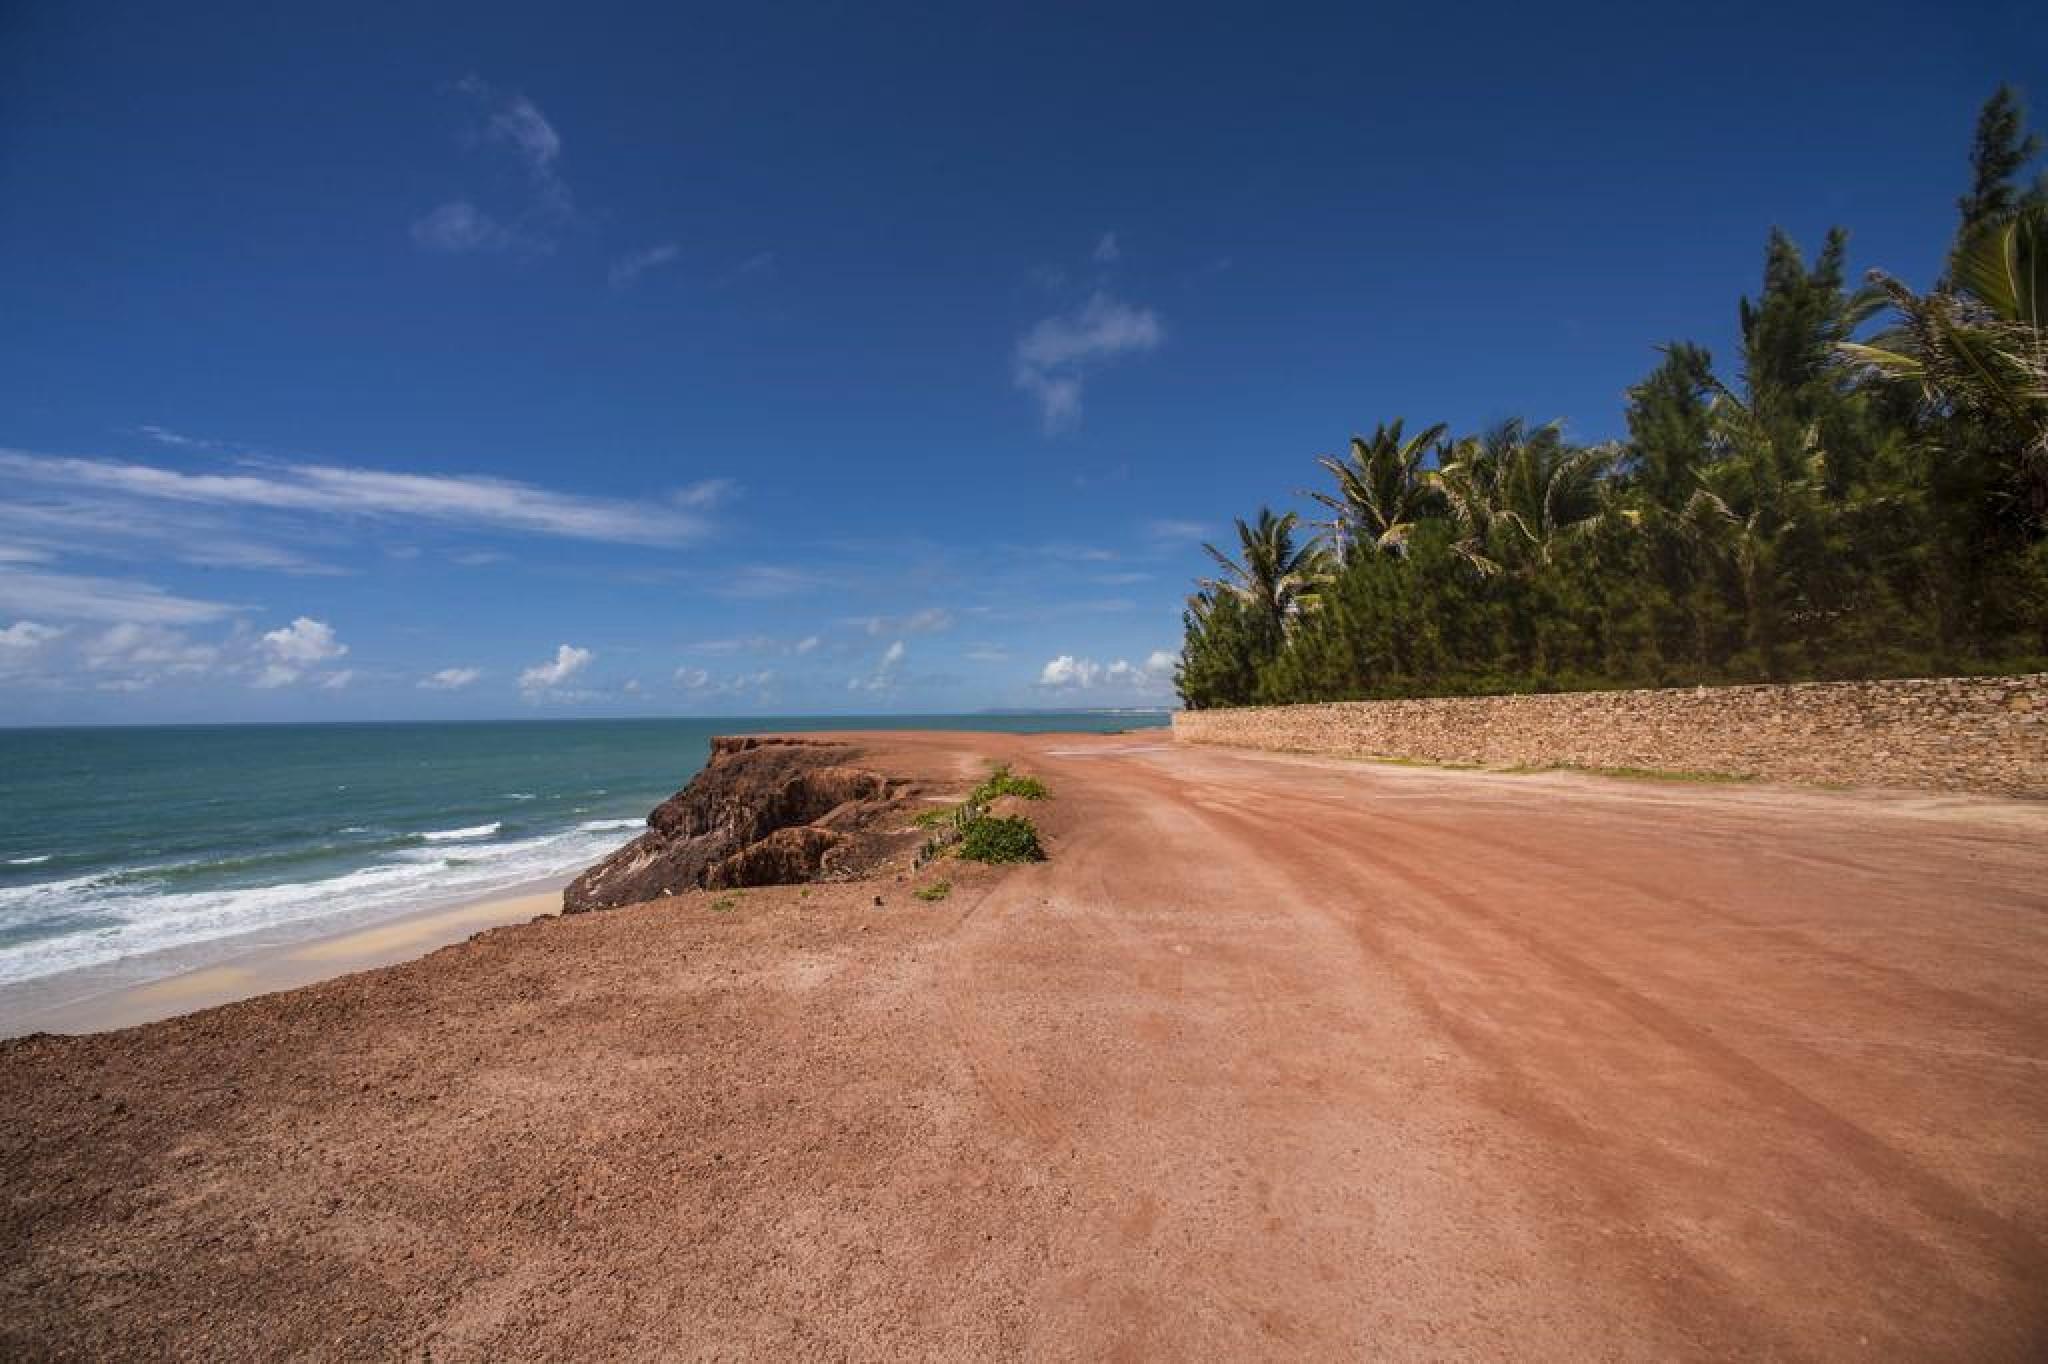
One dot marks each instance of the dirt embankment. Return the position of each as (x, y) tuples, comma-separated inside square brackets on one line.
[(1276, 1057)]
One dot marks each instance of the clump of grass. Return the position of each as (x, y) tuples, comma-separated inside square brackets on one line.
[(1001, 838), (1003, 782), (1000, 841), (725, 902), (935, 892)]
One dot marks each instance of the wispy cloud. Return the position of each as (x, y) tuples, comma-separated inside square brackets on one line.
[(474, 500), (702, 684), (929, 621), (707, 493), (450, 679), (459, 226), (71, 596), (1169, 530), (1106, 251), (757, 581), (164, 436), (884, 677), (23, 645), (514, 123), (1054, 359), (629, 267)]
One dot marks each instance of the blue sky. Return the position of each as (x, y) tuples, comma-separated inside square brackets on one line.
[(508, 360)]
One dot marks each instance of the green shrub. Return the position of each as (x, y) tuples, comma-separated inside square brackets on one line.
[(1002, 782), (1005, 838), (933, 893)]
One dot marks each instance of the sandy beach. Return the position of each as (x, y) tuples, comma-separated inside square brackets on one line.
[(83, 1001), (1276, 1057)]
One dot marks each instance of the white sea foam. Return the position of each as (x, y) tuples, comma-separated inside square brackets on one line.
[(518, 795), (36, 861), (455, 835), (123, 915), (599, 825)]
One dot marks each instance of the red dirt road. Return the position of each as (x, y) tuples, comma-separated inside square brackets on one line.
[(1277, 1057)]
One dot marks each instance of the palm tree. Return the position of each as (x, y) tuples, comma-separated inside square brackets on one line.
[(1381, 490), (1980, 348), (1274, 576), (1516, 493), (1758, 488)]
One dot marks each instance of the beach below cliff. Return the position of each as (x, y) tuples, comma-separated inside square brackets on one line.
[(1276, 1056)]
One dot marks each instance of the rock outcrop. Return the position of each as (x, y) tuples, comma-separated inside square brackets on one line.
[(764, 811)]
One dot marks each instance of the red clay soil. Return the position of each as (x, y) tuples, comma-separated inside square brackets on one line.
[(1276, 1057)]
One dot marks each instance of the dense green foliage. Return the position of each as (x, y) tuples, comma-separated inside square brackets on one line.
[(1840, 509), (1000, 838)]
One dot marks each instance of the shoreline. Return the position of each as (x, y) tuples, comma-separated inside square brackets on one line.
[(268, 968)]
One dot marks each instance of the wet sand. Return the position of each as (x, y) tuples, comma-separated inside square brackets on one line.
[(1278, 1057)]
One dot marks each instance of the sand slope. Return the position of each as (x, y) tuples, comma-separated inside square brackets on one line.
[(1278, 1057)]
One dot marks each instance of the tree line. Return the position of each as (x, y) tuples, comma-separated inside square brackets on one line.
[(1837, 508)]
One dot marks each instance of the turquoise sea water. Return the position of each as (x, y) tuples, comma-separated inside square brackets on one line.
[(121, 843)]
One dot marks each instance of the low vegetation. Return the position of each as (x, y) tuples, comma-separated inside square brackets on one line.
[(1003, 782), (1841, 502), (1000, 838), (978, 836), (935, 892)]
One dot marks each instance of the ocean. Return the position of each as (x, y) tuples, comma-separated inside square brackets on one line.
[(168, 848)]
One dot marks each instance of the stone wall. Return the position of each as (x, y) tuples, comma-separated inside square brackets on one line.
[(1942, 734)]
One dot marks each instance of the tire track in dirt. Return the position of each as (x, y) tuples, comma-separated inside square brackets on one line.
[(2015, 1251)]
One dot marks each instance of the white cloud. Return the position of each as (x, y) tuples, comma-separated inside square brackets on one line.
[(22, 645), (450, 679), (304, 642), (929, 621), (633, 264), (1071, 673), (70, 596), (517, 124), (988, 653), (804, 645), (150, 649), (755, 581), (703, 685), (460, 499), (459, 226), (1107, 252), (706, 493), (567, 662), (166, 437), (1175, 530), (1053, 359), (293, 649), (883, 678), (337, 680)]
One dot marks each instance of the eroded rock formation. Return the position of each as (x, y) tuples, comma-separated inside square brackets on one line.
[(764, 811)]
